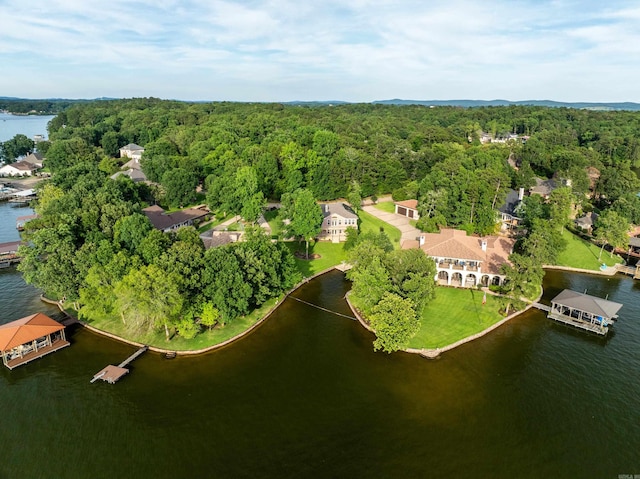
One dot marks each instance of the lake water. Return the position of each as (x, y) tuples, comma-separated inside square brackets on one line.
[(306, 396), (29, 125)]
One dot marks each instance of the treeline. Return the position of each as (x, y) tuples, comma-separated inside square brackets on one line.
[(36, 107), (410, 151), (91, 233)]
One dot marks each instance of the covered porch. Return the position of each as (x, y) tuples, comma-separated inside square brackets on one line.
[(30, 338)]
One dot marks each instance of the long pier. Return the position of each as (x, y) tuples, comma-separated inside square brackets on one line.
[(112, 373)]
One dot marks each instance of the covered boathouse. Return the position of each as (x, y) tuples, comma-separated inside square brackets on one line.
[(30, 338), (584, 311)]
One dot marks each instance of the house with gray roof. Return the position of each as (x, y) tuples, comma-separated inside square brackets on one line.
[(337, 218), (167, 222)]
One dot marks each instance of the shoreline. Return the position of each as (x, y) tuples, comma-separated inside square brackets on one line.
[(435, 353), (192, 352), (428, 353)]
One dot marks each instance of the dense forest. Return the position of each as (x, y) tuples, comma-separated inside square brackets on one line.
[(91, 240)]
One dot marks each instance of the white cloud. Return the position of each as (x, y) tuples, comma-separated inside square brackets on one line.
[(283, 49)]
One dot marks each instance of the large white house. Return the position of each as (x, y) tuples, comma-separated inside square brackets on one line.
[(337, 218), (132, 151), (465, 261)]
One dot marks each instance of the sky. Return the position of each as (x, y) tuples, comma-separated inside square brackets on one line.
[(351, 50)]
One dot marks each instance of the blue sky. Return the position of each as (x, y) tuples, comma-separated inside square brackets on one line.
[(353, 50)]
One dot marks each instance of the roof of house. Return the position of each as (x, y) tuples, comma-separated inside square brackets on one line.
[(634, 241), (510, 203), (587, 220), (543, 187), (162, 220), (413, 204), (132, 163), (132, 147), (25, 330), (22, 166), (588, 303), (340, 209), (135, 174), (34, 159), (213, 239), (455, 244)]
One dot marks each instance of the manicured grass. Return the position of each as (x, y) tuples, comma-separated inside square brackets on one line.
[(331, 254), (369, 223), (580, 253), (273, 219), (113, 324), (455, 314), (386, 206)]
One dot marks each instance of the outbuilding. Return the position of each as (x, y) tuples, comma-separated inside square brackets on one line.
[(584, 311), (30, 338)]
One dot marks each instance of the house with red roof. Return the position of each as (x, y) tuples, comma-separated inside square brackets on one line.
[(465, 261)]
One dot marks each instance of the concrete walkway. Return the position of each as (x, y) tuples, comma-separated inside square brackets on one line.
[(399, 221)]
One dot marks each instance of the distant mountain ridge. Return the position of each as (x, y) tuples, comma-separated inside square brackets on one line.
[(544, 103)]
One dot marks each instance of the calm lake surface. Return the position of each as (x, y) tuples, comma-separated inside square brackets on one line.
[(29, 125), (306, 396)]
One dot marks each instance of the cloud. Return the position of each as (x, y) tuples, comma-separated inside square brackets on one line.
[(359, 50)]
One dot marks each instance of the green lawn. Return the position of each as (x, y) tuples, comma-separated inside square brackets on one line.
[(580, 253), (331, 254), (214, 223), (113, 324), (369, 223), (273, 219), (386, 206), (455, 314)]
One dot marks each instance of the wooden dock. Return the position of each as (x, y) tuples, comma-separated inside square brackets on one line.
[(633, 271), (112, 373), (541, 307)]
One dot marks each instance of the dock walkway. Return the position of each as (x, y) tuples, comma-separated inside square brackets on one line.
[(112, 374)]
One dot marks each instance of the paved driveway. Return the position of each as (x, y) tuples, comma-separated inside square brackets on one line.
[(400, 222)]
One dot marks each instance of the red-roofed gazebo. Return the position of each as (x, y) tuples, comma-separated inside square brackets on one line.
[(30, 338)]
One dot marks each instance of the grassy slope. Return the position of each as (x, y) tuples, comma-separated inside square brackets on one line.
[(455, 314), (114, 325), (369, 223), (583, 254), (331, 254)]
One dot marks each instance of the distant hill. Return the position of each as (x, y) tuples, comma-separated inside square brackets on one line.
[(545, 103)]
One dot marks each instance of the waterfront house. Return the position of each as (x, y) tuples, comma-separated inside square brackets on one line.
[(132, 151), (166, 222), (408, 208), (465, 261), (337, 218), (30, 338), (584, 311), (508, 212), (19, 168)]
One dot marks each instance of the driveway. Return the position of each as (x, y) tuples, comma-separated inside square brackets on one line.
[(399, 221)]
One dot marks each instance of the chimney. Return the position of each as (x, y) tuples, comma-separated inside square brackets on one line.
[(421, 240), (520, 194), (483, 244)]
